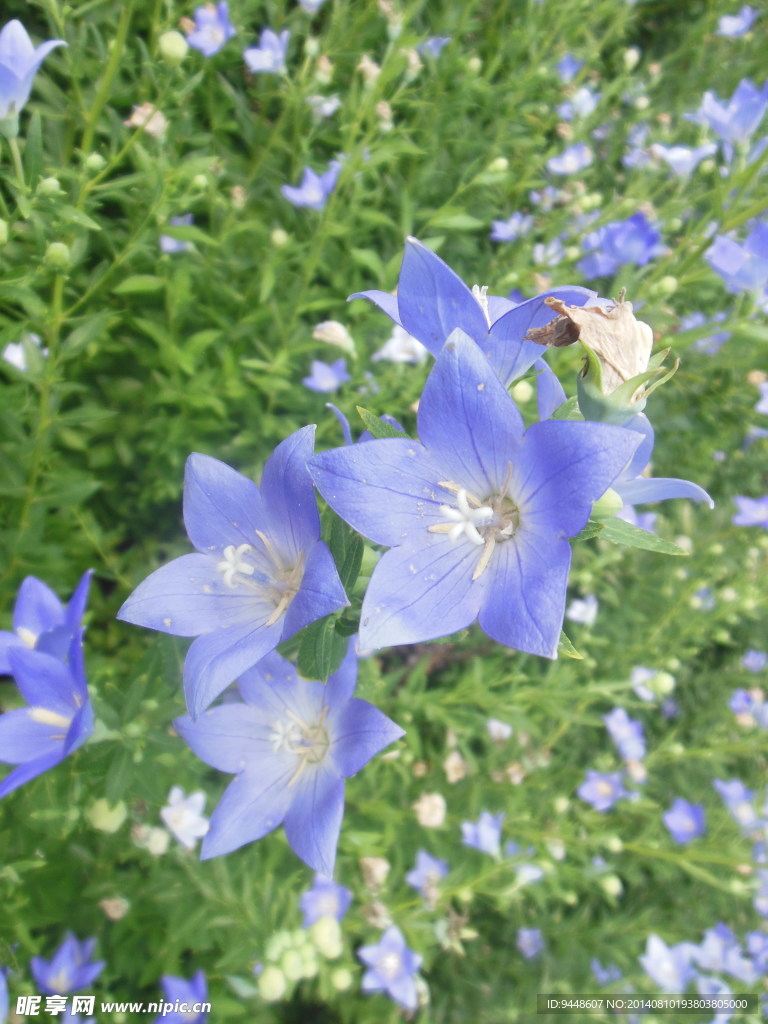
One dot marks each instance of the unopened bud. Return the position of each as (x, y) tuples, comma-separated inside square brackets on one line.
[(271, 984), (106, 818), (292, 965), (334, 333), (631, 57), (3, 231), (665, 287), (48, 187), (173, 48), (341, 979), (94, 163), (498, 165), (608, 505), (522, 392), (57, 256), (326, 934), (611, 885), (279, 238)]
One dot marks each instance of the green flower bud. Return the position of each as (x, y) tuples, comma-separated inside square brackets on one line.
[(326, 934), (173, 48), (94, 163), (341, 979), (48, 187), (105, 818), (271, 984), (292, 965), (607, 506), (57, 256), (279, 238)]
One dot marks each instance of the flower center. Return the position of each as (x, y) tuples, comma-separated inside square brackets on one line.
[(308, 741), (390, 965), (263, 572)]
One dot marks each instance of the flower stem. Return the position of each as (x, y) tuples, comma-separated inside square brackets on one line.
[(18, 166)]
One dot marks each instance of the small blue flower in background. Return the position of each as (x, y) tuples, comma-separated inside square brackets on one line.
[(751, 511), (192, 992), (19, 63), (291, 744), (327, 377), (476, 514), (757, 946), (3, 995), (530, 942), (734, 25), (626, 733), (325, 898), (741, 702), (604, 975), (762, 403), (572, 160), (737, 120), (685, 821), (41, 622), (516, 226), (740, 802), (68, 969), (314, 189), (583, 103), (755, 661), (260, 575), (602, 790), (682, 160), (433, 46), (426, 875), (391, 968), (484, 834), (568, 67), (712, 344), (612, 246), (669, 967), (743, 266), (269, 56), (720, 950), (400, 347), (57, 720), (212, 28), (169, 244), (583, 610), (311, 6)]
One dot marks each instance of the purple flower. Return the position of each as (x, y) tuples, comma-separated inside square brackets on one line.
[(427, 873), (391, 968), (626, 733), (751, 511), (684, 821), (743, 267), (762, 403), (739, 24), (741, 702), (604, 975), (291, 745), (720, 951), (41, 622), (602, 790), (325, 898), (516, 226), (261, 572), (633, 241), (433, 46), (583, 103), (755, 661), (682, 160), (572, 160), (269, 55), (311, 6), (740, 118), (68, 969), (169, 244), (212, 28), (58, 717), (191, 994), (569, 67), (757, 945), (327, 377), (477, 513), (19, 63), (484, 834), (710, 345), (669, 967), (530, 942), (740, 802), (314, 188)]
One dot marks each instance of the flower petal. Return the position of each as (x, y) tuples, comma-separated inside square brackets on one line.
[(360, 731), (227, 737), (27, 734), (313, 821), (27, 771), (320, 593), (386, 302), (290, 507), (660, 488), (37, 608), (253, 804), (46, 682), (221, 506)]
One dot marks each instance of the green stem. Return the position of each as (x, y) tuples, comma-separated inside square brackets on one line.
[(17, 164), (102, 95)]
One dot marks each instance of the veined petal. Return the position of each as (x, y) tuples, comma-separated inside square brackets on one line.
[(227, 737), (563, 467), (76, 605), (320, 592), (341, 684), (386, 302), (37, 608), (80, 729), (549, 390), (469, 424), (253, 804), (216, 659), (290, 507), (526, 594), (386, 489), (221, 506), (46, 682), (421, 594), (28, 771), (16, 49), (637, 492), (313, 821), (641, 425), (8, 642), (433, 300), (188, 597), (272, 668), (28, 734), (360, 731)]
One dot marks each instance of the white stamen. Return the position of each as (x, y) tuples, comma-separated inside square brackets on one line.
[(27, 636), (481, 297), (234, 562), (44, 716)]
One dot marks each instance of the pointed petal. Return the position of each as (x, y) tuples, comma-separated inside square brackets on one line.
[(641, 425), (341, 684), (313, 821), (28, 734), (549, 390), (37, 608), (46, 682), (216, 659), (320, 592), (188, 597), (77, 603), (360, 731), (290, 507), (525, 600), (227, 737), (433, 300), (272, 668), (637, 492), (469, 424), (253, 804), (27, 771), (221, 506), (386, 302), (423, 594), (8, 642), (16, 49), (80, 729)]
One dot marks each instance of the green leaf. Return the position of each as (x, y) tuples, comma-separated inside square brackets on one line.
[(71, 215), (188, 233), (118, 776), (456, 221), (566, 648), (321, 649), (569, 410), (347, 549), (139, 284), (619, 532), (592, 529), (33, 150), (378, 427)]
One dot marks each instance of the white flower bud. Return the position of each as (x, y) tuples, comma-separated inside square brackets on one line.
[(271, 984), (430, 810), (173, 48), (105, 818)]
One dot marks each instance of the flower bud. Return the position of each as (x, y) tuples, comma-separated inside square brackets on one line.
[(561, 804), (116, 908), (57, 256), (522, 392), (631, 57), (48, 187), (173, 48), (474, 65), (326, 934), (607, 506), (341, 979), (271, 984), (430, 810), (612, 886), (375, 871), (106, 818), (665, 287), (279, 238), (498, 165), (94, 163), (292, 965)]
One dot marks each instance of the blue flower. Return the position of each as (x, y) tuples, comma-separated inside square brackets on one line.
[(711, 344), (516, 226), (751, 511), (737, 120), (572, 160), (41, 622), (3, 996), (391, 968), (291, 744), (669, 967), (733, 25), (602, 790), (719, 950), (311, 6), (432, 301), (755, 661), (626, 733), (269, 55), (19, 63), (740, 802), (58, 717), (426, 874), (682, 160), (260, 575), (326, 898), (190, 994), (530, 942), (612, 246), (314, 188), (604, 975), (583, 610), (169, 244), (743, 266), (68, 969), (583, 103), (685, 821), (327, 377), (477, 514), (569, 67), (484, 834), (212, 28), (433, 46)]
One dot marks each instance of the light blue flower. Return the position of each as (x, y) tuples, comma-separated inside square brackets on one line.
[(569, 67), (192, 993), (314, 189), (573, 159), (737, 120), (19, 63), (426, 874), (682, 160), (169, 244), (391, 968), (484, 834), (261, 572), (626, 733), (602, 790), (583, 610), (269, 56), (755, 661), (669, 967), (514, 227), (212, 28), (41, 622), (325, 898), (685, 821), (433, 46), (611, 246), (751, 511), (530, 942), (69, 968), (291, 745), (734, 25), (743, 266), (327, 377)]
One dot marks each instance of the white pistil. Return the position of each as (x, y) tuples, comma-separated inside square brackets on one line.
[(464, 518), (481, 297), (234, 562)]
